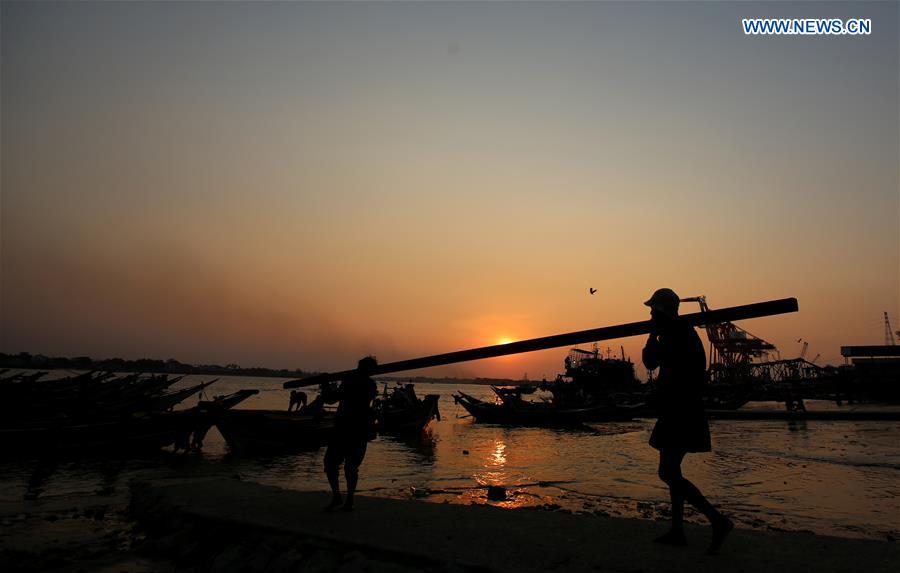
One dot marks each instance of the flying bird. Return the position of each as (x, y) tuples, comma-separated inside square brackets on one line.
[(593, 290)]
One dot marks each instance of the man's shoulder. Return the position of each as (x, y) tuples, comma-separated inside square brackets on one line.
[(683, 325), (685, 331)]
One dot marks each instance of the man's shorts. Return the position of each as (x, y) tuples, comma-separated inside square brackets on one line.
[(344, 450)]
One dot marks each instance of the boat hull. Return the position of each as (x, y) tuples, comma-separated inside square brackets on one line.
[(409, 420), (128, 436), (525, 414), (271, 431)]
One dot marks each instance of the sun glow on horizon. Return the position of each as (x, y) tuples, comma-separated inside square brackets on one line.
[(381, 196)]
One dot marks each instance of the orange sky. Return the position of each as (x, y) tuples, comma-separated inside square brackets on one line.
[(297, 185)]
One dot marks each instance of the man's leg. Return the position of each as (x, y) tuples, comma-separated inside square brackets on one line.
[(332, 468), (694, 497), (670, 474), (681, 489), (351, 473), (351, 470), (721, 525)]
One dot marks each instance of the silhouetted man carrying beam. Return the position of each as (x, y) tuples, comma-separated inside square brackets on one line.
[(353, 427), (677, 351)]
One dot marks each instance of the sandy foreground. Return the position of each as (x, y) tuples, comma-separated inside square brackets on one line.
[(231, 525), (66, 535), (437, 536)]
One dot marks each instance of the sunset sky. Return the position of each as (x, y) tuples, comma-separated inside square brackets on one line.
[(300, 184)]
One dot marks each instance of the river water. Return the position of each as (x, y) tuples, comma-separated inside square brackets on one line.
[(834, 478)]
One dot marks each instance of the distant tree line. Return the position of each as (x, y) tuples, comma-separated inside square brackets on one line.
[(26, 360), (148, 365)]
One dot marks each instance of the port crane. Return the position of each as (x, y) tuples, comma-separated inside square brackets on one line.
[(732, 349), (889, 339), (741, 366)]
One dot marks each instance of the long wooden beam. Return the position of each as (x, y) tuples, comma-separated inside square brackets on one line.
[(769, 308)]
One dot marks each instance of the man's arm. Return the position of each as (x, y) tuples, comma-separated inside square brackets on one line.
[(651, 352)]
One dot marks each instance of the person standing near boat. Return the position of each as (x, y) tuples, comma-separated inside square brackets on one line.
[(353, 427), (681, 427)]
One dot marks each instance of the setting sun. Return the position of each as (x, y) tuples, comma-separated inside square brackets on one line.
[(504, 340)]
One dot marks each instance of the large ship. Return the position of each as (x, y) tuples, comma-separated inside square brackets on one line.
[(594, 388), (590, 378)]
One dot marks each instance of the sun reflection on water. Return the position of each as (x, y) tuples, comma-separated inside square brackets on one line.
[(498, 457)]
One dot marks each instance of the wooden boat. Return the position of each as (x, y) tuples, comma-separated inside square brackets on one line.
[(227, 401), (171, 399), (127, 436), (522, 413), (400, 411), (88, 412), (89, 398), (96, 399), (271, 431), (211, 412)]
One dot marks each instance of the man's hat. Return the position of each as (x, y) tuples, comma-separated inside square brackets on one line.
[(665, 301), (367, 364)]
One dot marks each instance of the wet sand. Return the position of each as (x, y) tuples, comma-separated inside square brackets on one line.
[(69, 536), (229, 525)]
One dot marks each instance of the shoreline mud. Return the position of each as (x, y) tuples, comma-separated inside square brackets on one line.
[(226, 524), (230, 525)]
